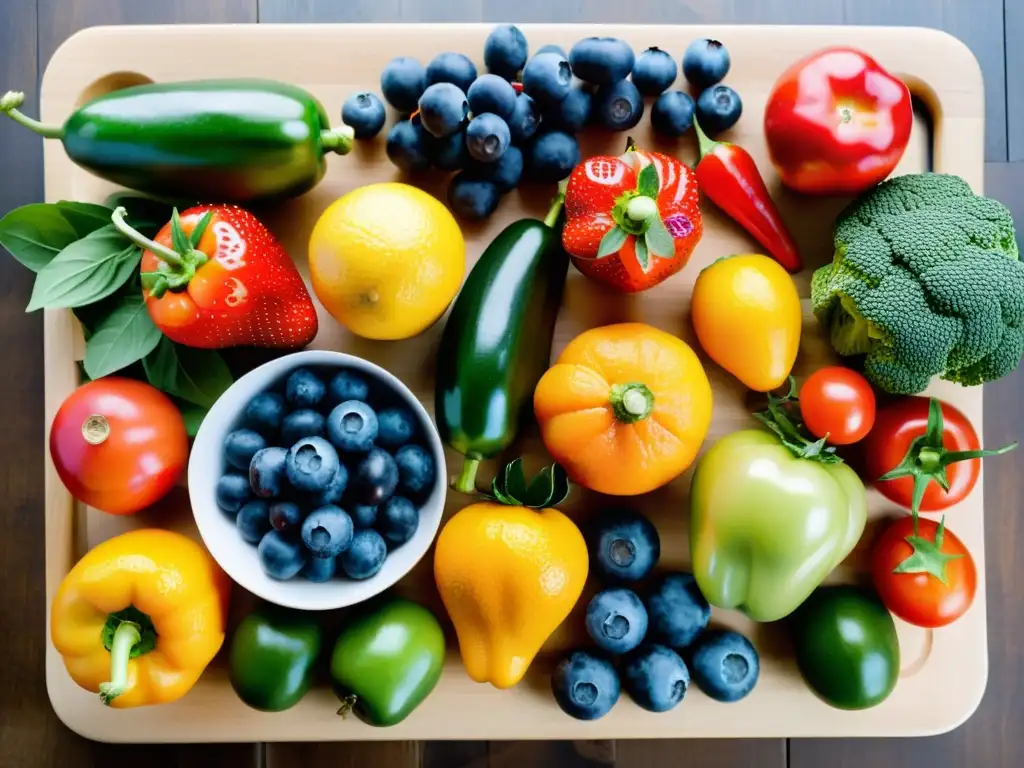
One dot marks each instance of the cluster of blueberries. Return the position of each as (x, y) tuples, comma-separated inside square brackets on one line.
[(648, 638), (519, 120), (323, 481)]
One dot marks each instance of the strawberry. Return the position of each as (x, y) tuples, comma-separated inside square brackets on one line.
[(216, 277), (631, 221)]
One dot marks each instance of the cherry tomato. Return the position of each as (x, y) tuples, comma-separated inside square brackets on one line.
[(922, 598), (118, 444), (837, 403)]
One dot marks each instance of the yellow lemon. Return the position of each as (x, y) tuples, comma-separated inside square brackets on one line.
[(386, 260)]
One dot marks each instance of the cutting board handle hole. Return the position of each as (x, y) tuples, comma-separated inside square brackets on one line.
[(115, 81)]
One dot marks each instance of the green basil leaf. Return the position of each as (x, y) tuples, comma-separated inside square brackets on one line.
[(659, 241), (35, 234), (198, 376), (647, 182), (126, 335), (641, 255), (191, 414), (85, 271), (84, 218), (612, 242)]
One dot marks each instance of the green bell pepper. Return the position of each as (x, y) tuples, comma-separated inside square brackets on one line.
[(224, 141), (272, 658), (768, 522)]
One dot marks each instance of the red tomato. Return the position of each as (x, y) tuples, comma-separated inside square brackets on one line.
[(922, 598), (118, 444), (838, 403)]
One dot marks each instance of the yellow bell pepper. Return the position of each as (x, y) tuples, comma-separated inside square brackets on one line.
[(509, 572), (140, 616)]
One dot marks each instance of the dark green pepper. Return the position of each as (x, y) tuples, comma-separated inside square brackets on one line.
[(496, 343), (224, 141), (272, 658)]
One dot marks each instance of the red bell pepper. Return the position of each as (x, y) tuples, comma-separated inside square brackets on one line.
[(837, 123), (728, 176)]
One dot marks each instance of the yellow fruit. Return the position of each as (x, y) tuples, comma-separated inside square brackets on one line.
[(386, 260)]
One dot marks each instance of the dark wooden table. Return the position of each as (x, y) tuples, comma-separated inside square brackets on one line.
[(31, 735)]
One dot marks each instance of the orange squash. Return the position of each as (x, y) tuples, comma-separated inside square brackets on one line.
[(624, 409)]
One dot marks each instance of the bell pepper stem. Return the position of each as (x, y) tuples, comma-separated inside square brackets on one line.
[(466, 481), (705, 145), (9, 104), (631, 402), (337, 139), (165, 253), (348, 703), (556, 206), (127, 635)]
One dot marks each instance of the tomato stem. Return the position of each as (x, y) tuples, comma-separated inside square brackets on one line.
[(96, 429)]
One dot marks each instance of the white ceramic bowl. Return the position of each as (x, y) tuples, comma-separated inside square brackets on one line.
[(221, 537)]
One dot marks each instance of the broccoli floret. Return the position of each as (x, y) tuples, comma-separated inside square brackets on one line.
[(925, 281)]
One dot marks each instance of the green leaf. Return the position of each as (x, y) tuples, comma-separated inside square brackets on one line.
[(199, 376), (35, 234), (647, 182), (659, 241), (927, 556), (515, 480), (641, 255), (84, 218), (86, 271), (612, 241), (192, 415), (200, 229), (541, 489), (126, 335)]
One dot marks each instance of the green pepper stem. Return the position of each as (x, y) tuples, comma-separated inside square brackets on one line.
[(337, 139), (127, 635), (632, 402), (466, 481), (706, 145), (556, 206), (170, 256), (9, 104)]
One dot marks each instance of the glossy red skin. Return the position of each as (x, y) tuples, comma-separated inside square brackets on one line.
[(142, 457), (814, 150), (896, 425), (837, 402), (920, 598)]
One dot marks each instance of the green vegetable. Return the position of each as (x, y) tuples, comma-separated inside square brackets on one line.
[(387, 661), (272, 658), (123, 337), (925, 281), (846, 647), (222, 140), (497, 341)]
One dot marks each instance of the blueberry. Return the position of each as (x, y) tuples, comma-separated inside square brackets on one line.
[(397, 520), (365, 556), (253, 521), (448, 153), (487, 137), (302, 423), (504, 173), (586, 686), (395, 427), (551, 156), (725, 665), (364, 114), (616, 620), (363, 515), (348, 385), (655, 677), (285, 516), (547, 78), (718, 109), (406, 146), (281, 556), (490, 93), (443, 109), (416, 472), (624, 545), (241, 445), (320, 569), (311, 464), (672, 113), (572, 113), (267, 472), (619, 106), (601, 60), (552, 48), (352, 427), (676, 610), (264, 414), (525, 119), (402, 82), (505, 51), (472, 198), (334, 491), (304, 389), (454, 68), (654, 71), (232, 492), (705, 63), (327, 531), (374, 479)]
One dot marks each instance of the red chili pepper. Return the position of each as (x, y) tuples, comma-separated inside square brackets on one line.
[(727, 174)]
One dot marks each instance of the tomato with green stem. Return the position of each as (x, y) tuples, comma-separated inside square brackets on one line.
[(838, 404)]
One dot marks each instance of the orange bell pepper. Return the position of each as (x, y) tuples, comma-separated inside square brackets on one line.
[(624, 409), (140, 616)]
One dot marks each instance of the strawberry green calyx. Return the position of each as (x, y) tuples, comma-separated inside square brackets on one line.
[(927, 556), (636, 213), (179, 264)]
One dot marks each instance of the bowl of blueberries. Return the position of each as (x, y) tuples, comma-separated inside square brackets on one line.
[(317, 480)]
